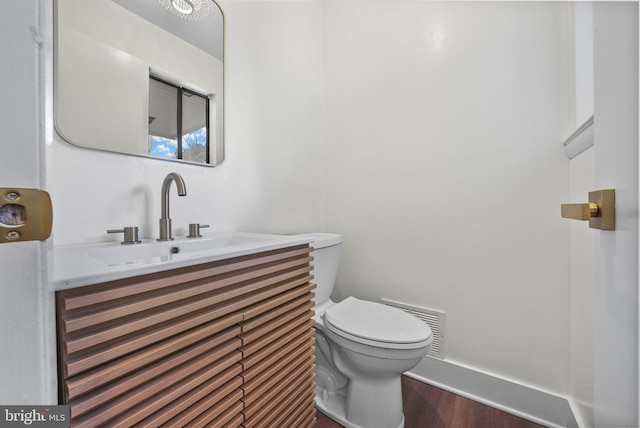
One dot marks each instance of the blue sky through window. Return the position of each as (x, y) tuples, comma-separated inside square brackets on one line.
[(168, 148), (163, 147)]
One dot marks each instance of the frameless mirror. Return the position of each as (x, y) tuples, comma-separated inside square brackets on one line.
[(139, 77)]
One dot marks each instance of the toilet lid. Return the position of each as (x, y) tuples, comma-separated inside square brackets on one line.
[(375, 322)]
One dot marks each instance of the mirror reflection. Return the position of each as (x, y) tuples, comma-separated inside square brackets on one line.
[(178, 122), (141, 78)]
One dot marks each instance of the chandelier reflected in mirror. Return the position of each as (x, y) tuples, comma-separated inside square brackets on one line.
[(192, 10)]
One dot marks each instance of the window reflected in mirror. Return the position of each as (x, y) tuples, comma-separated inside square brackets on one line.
[(178, 125)]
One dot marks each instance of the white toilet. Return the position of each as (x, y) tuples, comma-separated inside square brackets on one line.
[(362, 348)]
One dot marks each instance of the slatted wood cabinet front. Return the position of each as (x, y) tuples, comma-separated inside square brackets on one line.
[(227, 343)]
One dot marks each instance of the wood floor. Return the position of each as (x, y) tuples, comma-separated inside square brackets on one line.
[(426, 406)]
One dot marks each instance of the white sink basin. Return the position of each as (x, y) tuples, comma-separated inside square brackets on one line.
[(77, 265), (158, 252)]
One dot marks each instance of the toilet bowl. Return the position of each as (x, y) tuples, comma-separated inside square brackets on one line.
[(362, 348)]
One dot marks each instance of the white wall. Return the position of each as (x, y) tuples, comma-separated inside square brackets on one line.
[(446, 171), (270, 180)]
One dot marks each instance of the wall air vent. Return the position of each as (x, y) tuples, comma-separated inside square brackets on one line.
[(434, 319)]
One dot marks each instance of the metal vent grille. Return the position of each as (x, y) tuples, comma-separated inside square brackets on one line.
[(434, 319)]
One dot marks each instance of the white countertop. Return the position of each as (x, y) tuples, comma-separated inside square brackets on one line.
[(85, 264)]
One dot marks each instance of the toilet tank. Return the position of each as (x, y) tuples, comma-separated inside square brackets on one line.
[(326, 257)]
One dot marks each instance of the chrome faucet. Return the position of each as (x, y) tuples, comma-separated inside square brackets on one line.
[(165, 221)]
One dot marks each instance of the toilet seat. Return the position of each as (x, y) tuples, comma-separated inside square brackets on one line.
[(376, 324)]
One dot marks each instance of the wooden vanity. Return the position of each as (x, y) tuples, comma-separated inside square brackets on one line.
[(227, 343)]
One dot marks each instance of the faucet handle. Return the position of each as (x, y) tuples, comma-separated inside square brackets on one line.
[(194, 230), (130, 235)]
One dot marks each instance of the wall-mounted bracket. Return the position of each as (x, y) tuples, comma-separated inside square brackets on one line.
[(600, 210), (25, 215)]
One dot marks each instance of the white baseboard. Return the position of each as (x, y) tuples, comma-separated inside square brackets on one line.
[(576, 412), (541, 407)]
